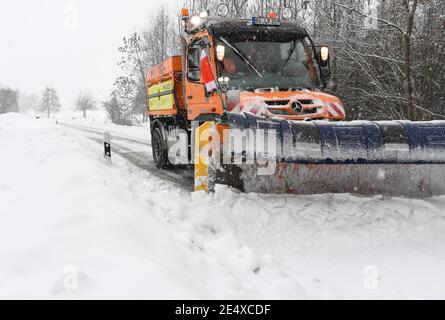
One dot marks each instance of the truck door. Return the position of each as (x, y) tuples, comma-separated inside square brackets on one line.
[(199, 101)]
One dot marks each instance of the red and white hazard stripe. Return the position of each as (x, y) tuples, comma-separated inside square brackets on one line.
[(207, 75), (336, 109)]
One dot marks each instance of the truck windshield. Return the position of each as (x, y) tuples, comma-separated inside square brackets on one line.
[(259, 62)]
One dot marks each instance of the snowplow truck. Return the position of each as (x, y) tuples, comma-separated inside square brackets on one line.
[(245, 103)]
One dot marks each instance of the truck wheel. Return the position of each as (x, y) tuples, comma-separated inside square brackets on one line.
[(159, 147)]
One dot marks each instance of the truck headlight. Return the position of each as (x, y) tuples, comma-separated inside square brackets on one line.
[(195, 20)]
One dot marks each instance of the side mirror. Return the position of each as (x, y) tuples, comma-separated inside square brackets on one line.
[(194, 63), (325, 65)]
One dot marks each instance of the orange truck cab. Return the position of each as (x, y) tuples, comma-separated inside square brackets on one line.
[(266, 66)]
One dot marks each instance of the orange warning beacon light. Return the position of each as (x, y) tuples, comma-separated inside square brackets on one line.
[(272, 15), (185, 13)]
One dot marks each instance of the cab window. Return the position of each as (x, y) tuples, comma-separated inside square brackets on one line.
[(194, 62)]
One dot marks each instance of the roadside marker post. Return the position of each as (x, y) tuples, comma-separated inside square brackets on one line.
[(107, 146)]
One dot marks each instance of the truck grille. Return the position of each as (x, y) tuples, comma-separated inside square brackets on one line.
[(276, 107), (277, 102)]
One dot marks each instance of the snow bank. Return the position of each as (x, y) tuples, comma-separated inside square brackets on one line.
[(65, 212), (323, 246), (124, 233), (99, 120)]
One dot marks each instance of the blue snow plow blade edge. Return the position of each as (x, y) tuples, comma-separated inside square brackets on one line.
[(397, 158), (356, 142)]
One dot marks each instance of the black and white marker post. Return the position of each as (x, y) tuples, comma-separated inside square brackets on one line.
[(107, 146)]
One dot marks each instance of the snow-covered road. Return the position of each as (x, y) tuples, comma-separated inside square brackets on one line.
[(137, 151), (72, 226)]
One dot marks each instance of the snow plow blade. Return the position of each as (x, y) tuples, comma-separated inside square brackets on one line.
[(397, 158)]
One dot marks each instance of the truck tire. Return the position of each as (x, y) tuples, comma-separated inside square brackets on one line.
[(160, 149)]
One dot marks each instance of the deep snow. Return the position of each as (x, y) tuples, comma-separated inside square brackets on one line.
[(66, 214)]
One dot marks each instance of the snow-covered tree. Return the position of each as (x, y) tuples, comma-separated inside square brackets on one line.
[(387, 55), (49, 102), (116, 111), (9, 100), (85, 102), (153, 44), (385, 60)]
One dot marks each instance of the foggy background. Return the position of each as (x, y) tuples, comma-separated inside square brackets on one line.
[(387, 57), (70, 45)]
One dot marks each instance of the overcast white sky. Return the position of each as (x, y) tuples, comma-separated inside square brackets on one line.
[(41, 43)]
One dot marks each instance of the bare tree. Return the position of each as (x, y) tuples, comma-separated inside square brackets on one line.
[(387, 62), (9, 100), (50, 101), (377, 55), (155, 43), (84, 102), (115, 110)]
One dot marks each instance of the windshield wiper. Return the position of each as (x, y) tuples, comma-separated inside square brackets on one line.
[(289, 57), (242, 56)]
